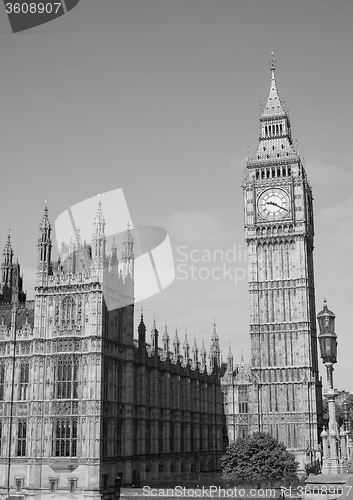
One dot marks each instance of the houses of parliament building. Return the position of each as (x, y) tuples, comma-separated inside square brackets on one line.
[(82, 402)]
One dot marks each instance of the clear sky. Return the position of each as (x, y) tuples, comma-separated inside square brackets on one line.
[(161, 98)]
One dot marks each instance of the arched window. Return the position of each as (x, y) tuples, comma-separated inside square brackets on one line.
[(2, 381), (21, 438), (67, 313), (65, 437), (24, 378), (66, 378)]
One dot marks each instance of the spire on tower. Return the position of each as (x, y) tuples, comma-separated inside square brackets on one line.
[(45, 226), (215, 351), (273, 106), (44, 244), (195, 352), (6, 266), (142, 331), (98, 238), (176, 343), (186, 348), (128, 252), (165, 339), (203, 355), (99, 221), (272, 64), (154, 337), (275, 144), (8, 252)]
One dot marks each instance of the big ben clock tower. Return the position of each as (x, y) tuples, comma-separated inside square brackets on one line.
[(279, 232)]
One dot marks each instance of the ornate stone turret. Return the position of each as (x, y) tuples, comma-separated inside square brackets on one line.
[(114, 254), (165, 339), (230, 361), (128, 254), (154, 338), (11, 279), (99, 239), (203, 355), (186, 348), (195, 353), (44, 247), (176, 345), (142, 331), (6, 266), (215, 351)]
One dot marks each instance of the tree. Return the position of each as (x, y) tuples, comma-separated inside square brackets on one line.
[(339, 413), (258, 459), (340, 417)]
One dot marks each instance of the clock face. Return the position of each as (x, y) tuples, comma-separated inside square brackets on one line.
[(273, 204)]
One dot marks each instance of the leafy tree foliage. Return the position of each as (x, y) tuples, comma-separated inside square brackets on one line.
[(257, 460), (339, 411)]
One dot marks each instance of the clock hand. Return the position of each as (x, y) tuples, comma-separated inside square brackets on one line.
[(276, 205)]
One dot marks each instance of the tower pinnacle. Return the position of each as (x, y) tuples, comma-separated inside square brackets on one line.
[(272, 65)]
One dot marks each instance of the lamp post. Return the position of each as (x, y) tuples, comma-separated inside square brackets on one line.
[(328, 350)]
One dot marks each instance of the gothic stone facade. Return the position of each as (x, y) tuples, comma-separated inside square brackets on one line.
[(278, 207), (81, 401)]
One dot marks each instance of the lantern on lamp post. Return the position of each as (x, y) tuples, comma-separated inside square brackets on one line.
[(328, 351)]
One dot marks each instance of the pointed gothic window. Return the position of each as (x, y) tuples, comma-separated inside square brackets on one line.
[(117, 437), (65, 437), (66, 378), (23, 385), (21, 438), (2, 381), (104, 440), (243, 399), (68, 313)]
